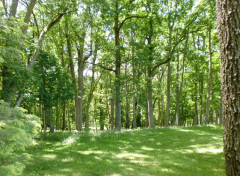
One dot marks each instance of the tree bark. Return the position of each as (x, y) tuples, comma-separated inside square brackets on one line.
[(72, 71), (27, 17), (159, 111), (102, 118), (64, 116), (209, 86), (80, 87), (92, 88), (169, 77), (112, 114), (117, 71), (13, 8), (220, 112), (179, 88), (57, 117), (5, 8), (150, 75), (168, 95), (127, 101), (195, 121), (228, 13), (134, 123)]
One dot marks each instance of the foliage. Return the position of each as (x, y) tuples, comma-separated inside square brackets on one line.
[(17, 131), (151, 32)]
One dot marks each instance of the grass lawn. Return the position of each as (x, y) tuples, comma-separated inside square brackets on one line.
[(193, 151)]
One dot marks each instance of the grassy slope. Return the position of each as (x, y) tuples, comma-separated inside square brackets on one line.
[(163, 151)]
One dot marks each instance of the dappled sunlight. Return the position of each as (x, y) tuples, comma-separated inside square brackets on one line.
[(89, 152), (113, 175), (66, 160), (49, 156), (98, 158), (211, 150), (147, 148), (167, 170), (184, 130), (60, 148), (69, 140), (131, 156), (145, 152), (66, 170)]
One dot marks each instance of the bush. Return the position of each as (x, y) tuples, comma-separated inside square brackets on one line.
[(17, 131)]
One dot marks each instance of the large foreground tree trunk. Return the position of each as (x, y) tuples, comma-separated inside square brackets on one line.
[(229, 38)]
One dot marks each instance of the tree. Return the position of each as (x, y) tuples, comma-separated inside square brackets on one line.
[(229, 39)]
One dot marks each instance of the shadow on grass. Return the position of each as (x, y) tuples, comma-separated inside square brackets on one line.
[(162, 151)]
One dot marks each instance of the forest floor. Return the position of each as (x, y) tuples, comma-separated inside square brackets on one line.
[(185, 151)]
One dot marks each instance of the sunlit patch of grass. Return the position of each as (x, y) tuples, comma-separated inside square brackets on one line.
[(184, 151)]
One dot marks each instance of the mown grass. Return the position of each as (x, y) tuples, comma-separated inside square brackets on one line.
[(186, 151)]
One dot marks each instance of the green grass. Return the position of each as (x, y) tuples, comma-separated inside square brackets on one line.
[(193, 151)]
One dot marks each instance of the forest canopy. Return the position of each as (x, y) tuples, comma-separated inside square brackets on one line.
[(111, 64)]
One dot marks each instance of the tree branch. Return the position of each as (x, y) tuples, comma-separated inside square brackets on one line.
[(101, 66), (36, 23), (28, 15), (38, 48), (182, 38), (5, 7), (91, 44), (129, 17)]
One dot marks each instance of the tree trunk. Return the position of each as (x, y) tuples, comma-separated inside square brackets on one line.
[(159, 111), (195, 121), (112, 114), (127, 102), (209, 77), (5, 8), (168, 95), (64, 116), (150, 104), (72, 71), (169, 77), (57, 117), (93, 86), (177, 92), (229, 29), (44, 120), (80, 91), (102, 119), (201, 101), (201, 83), (13, 8), (134, 123), (117, 71), (68, 117), (150, 75), (211, 109), (51, 120), (146, 117), (27, 17), (179, 89)]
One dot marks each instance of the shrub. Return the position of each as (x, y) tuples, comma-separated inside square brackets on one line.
[(17, 130)]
